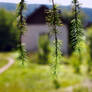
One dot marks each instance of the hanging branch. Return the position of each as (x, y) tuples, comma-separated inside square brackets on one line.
[(54, 21), (55, 33), (76, 30), (21, 27)]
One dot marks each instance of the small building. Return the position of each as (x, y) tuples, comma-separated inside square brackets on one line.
[(36, 25)]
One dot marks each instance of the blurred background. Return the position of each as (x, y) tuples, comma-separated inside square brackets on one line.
[(36, 75)]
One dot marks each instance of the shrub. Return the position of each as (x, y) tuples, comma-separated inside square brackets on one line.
[(44, 50), (89, 41), (8, 31)]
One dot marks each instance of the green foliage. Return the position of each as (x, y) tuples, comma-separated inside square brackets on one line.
[(53, 20), (55, 65), (81, 89), (3, 62), (76, 30), (56, 83), (21, 27), (20, 18), (9, 34), (89, 42), (53, 17), (67, 16), (23, 54), (44, 49), (89, 38), (76, 34), (35, 77)]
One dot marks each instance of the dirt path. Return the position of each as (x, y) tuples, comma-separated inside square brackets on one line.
[(11, 61)]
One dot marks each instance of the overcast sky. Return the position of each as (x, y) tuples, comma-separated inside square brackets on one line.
[(85, 3)]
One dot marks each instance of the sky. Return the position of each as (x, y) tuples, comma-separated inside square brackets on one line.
[(84, 3)]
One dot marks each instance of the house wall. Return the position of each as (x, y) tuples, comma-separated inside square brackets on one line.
[(31, 37)]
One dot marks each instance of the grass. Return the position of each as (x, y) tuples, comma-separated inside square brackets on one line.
[(36, 78), (82, 89), (3, 62), (3, 59)]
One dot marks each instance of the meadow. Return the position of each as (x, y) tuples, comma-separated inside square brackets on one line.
[(32, 77)]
